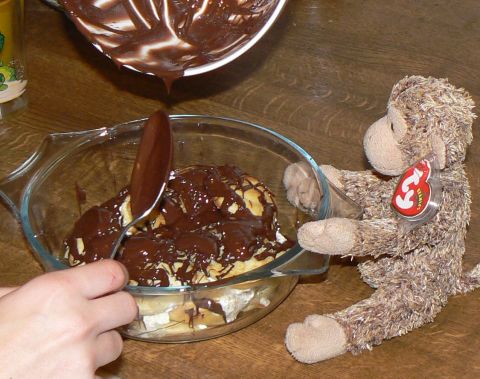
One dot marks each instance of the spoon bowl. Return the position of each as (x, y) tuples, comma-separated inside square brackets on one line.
[(150, 172)]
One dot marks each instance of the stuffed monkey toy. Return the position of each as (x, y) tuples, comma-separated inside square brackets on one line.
[(413, 269)]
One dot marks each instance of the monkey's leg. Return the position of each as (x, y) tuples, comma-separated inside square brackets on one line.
[(394, 309)]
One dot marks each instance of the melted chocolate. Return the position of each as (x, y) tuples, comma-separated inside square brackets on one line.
[(99, 228), (210, 305), (152, 165), (196, 229), (207, 304), (165, 37)]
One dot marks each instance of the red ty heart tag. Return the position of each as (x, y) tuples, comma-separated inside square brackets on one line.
[(414, 198)]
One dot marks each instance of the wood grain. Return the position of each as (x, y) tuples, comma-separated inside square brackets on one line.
[(320, 76)]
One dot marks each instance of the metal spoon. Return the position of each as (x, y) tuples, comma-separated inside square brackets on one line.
[(151, 171)]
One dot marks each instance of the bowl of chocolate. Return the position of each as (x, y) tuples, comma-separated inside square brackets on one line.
[(171, 39), (218, 253)]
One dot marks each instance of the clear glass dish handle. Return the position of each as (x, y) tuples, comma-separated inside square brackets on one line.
[(310, 263), (340, 205), (13, 185)]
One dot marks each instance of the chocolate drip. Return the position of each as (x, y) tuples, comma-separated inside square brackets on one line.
[(203, 219), (207, 304), (211, 306), (165, 37)]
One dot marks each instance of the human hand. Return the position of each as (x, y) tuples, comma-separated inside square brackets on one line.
[(6, 290), (60, 324)]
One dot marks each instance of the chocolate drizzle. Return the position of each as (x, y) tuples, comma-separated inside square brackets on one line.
[(209, 219), (98, 228), (165, 37)]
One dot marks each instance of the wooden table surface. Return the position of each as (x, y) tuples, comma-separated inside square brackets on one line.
[(321, 76)]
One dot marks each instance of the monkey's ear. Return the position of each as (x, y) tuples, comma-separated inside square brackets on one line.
[(440, 150)]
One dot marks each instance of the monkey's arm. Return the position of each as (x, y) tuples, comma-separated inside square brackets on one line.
[(365, 188)]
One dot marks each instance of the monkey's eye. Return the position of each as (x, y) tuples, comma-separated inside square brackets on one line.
[(391, 127)]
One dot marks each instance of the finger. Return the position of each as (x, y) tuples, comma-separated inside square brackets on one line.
[(108, 347), (95, 279), (6, 290), (113, 311)]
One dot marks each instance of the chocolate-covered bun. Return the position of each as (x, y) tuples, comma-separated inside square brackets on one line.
[(213, 223)]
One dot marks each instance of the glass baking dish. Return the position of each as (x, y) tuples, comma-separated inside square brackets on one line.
[(43, 195)]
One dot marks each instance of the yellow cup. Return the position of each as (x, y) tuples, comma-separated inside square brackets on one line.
[(12, 64)]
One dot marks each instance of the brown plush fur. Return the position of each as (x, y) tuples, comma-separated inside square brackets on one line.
[(413, 270)]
